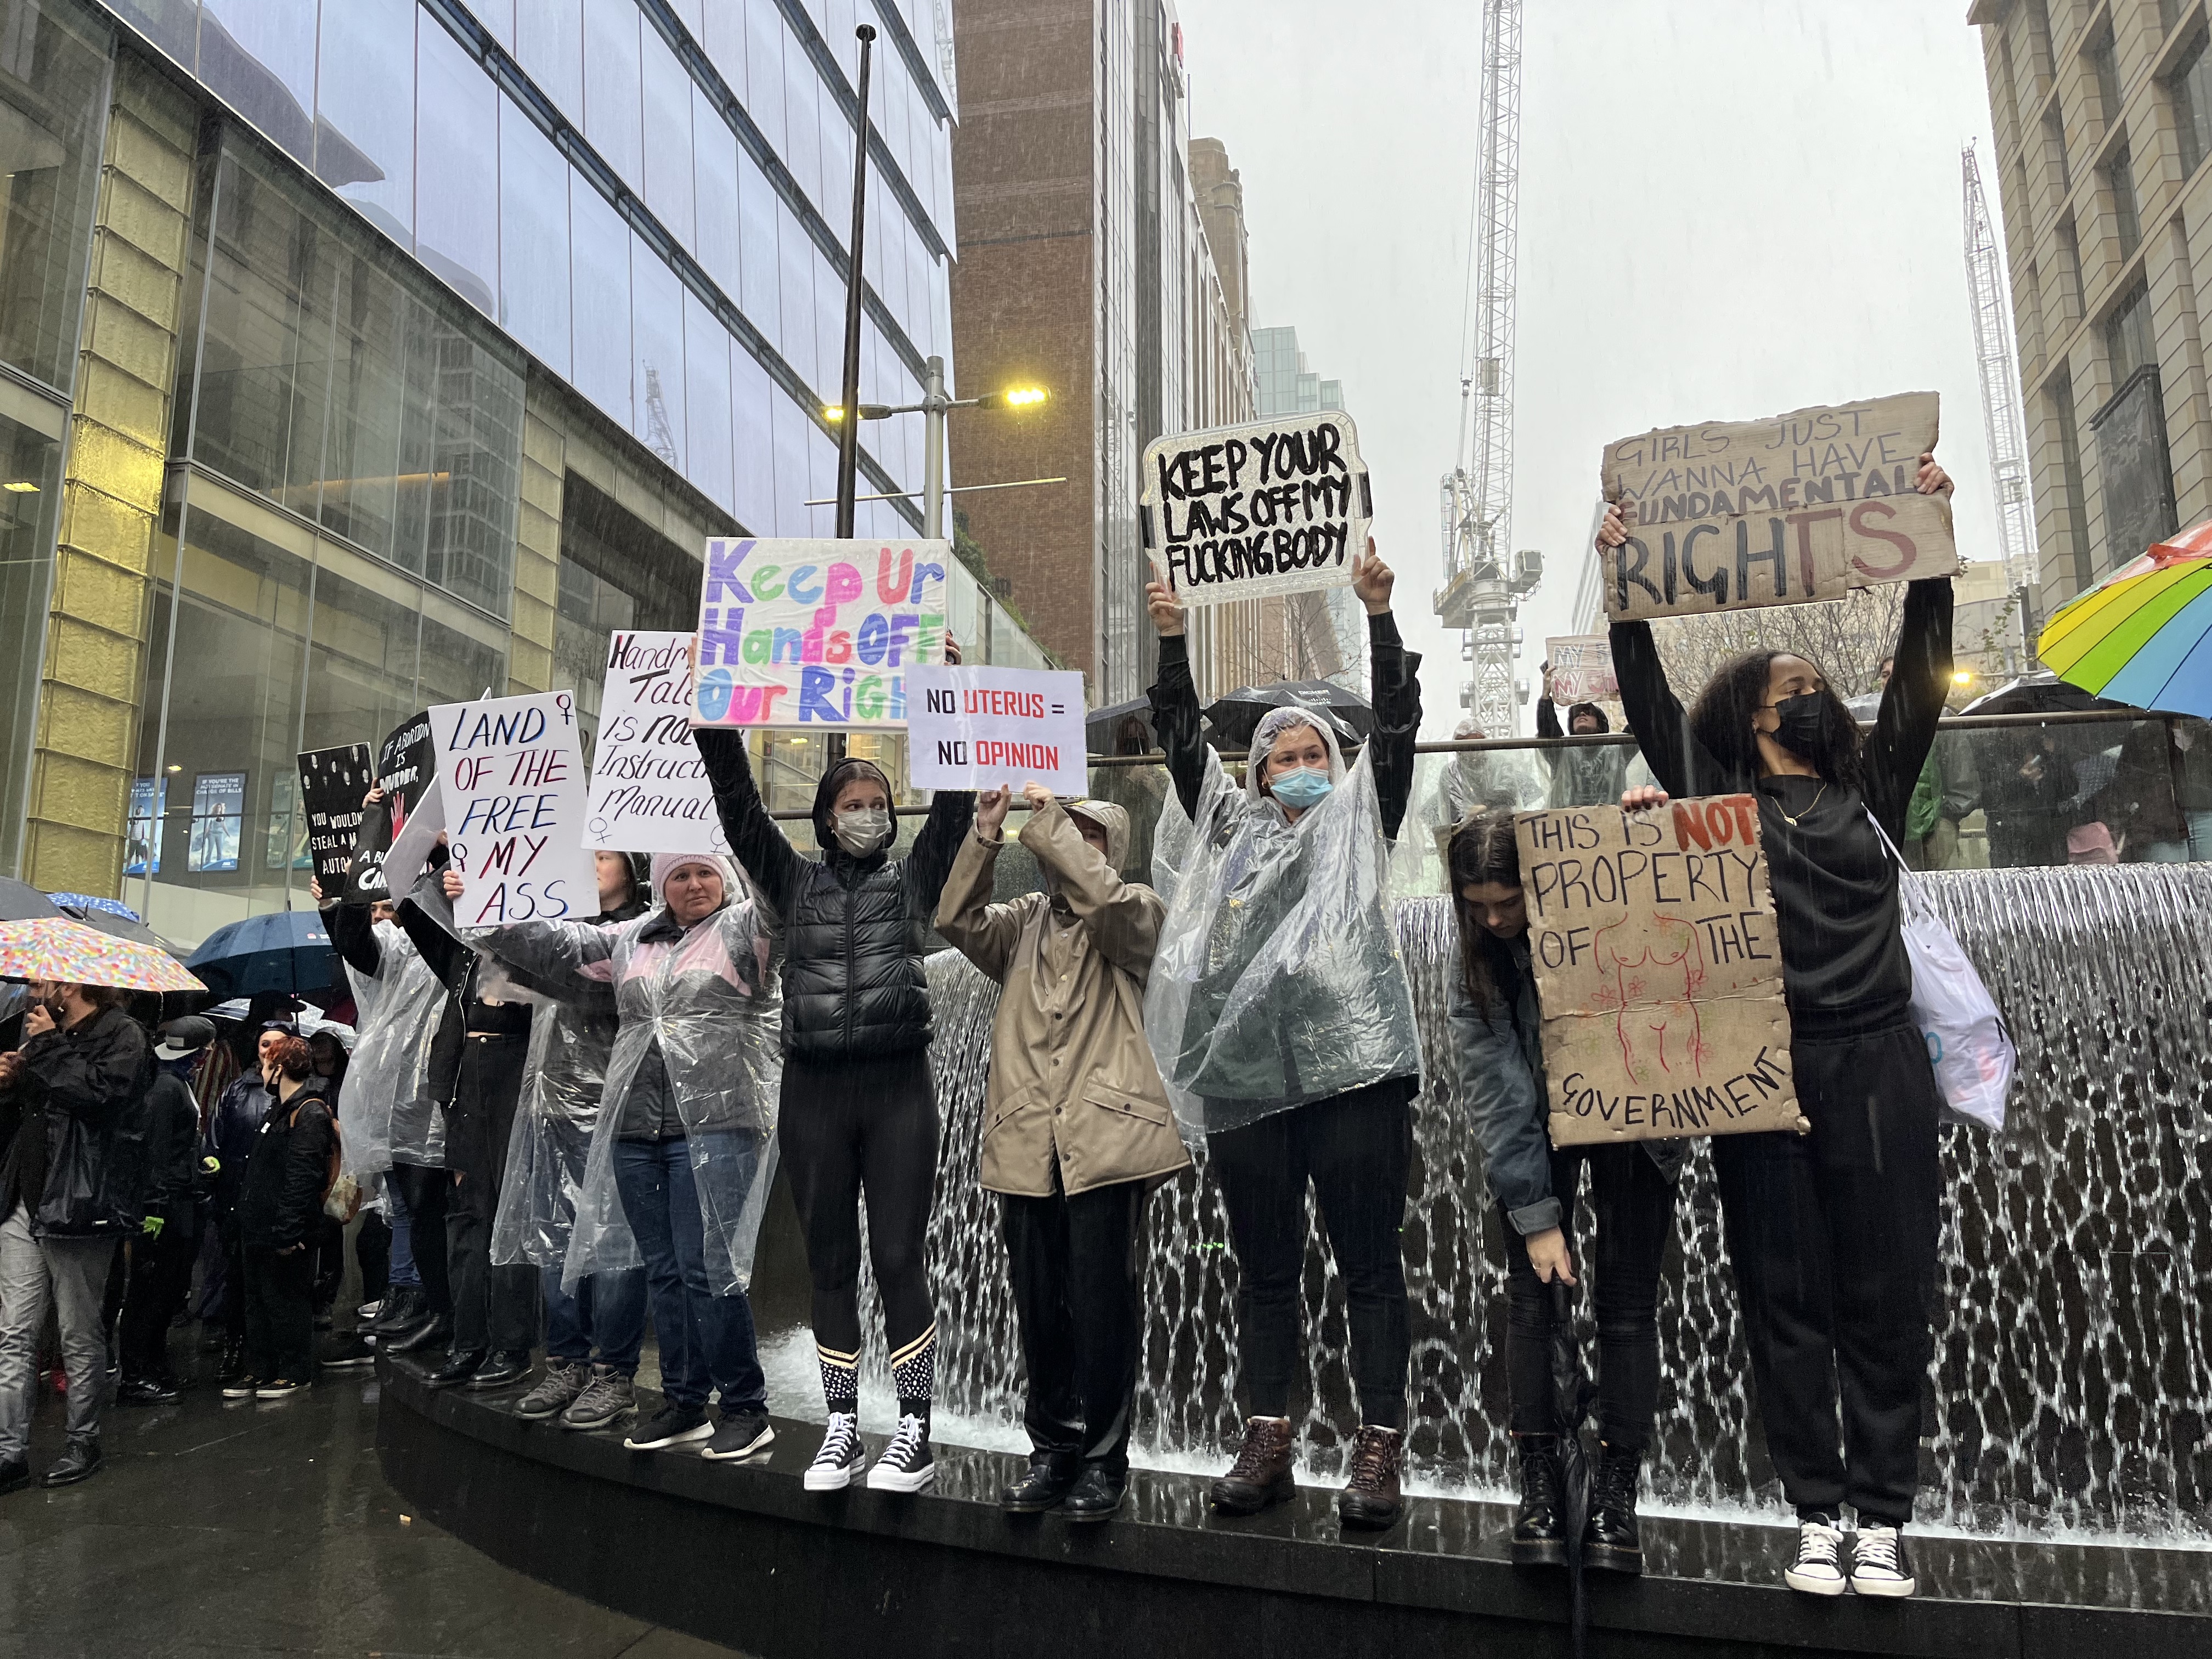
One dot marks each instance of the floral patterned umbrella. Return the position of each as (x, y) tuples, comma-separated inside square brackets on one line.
[(55, 948)]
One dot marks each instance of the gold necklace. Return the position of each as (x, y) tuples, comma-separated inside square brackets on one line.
[(1792, 821)]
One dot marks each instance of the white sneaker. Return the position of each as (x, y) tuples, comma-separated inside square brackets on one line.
[(1878, 1564), (842, 1456), (905, 1465), (1818, 1569)]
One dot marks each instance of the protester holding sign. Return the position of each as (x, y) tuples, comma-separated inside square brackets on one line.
[(1832, 1234), (1281, 1018), (860, 1113), (1495, 1023)]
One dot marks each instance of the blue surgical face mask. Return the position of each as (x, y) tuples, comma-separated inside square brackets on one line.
[(1300, 789)]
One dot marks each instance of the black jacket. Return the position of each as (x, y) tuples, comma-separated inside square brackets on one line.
[(286, 1169), (855, 929), (80, 1134), (170, 1185)]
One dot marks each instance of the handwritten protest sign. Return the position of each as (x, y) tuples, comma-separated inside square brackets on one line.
[(406, 770), (1582, 668), (1805, 506), (649, 791), (332, 784), (977, 729), (815, 634), (1653, 939), (513, 777), (1240, 512)]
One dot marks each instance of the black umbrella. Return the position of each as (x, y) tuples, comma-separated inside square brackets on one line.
[(2039, 693), (1103, 733), (20, 902), (1237, 716)]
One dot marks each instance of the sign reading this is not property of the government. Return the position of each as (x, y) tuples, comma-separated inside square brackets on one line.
[(1803, 506), (1241, 512)]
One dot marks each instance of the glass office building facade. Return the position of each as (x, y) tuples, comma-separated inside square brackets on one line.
[(457, 329)]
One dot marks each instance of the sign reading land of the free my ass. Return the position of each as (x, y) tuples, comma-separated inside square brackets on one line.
[(1241, 512), (1804, 506)]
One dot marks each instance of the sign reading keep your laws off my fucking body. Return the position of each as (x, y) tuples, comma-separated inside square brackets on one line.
[(1241, 512)]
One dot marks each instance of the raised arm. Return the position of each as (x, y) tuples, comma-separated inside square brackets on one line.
[(568, 961), (754, 841), (1394, 691), (981, 930), (1124, 918), (1911, 704), (950, 812), (354, 936), (1174, 701)]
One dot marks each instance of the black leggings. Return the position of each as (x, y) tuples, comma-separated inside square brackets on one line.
[(863, 1126), (1356, 1149), (1635, 1208)]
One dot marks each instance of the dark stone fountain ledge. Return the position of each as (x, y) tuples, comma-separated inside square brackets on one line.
[(743, 1555)]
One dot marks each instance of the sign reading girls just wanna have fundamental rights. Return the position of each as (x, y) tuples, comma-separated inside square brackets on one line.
[(815, 634)]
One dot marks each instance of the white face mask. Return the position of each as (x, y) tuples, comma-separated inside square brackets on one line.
[(862, 832)]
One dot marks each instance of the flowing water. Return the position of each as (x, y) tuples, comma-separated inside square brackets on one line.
[(2071, 1393)]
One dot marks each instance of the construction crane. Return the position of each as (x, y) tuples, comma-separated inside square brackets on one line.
[(1484, 582), (1987, 293)]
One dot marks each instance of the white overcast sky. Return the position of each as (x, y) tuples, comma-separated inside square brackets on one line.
[(1727, 210)]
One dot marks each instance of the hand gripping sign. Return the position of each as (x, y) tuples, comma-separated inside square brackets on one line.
[(977, 729), (815, 634), (1653, 939), (513, 779)]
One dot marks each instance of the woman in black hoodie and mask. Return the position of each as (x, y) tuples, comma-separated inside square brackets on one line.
[(1832, 1235), (859, 1110)]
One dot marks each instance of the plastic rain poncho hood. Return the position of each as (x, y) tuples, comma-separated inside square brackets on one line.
[(386, 1109), (1278, 979), (707, 998)]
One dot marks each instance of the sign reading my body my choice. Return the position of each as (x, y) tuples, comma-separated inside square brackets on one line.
[(1241, 512), (815, 634), (513, 778), (977, 728)]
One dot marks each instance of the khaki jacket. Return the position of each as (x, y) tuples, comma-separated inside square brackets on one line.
[(1072, 1084)]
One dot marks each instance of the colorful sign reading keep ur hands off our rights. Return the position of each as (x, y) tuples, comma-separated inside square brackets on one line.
[(815, 634)]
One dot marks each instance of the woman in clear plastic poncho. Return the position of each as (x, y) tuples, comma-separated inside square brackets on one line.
[(680, 1155), (1280, 1014), (386, 1110)]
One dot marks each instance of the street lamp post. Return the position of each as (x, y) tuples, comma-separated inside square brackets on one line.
[(933, 407), (849, 435)]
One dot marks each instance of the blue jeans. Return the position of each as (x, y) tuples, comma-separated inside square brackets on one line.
[(402, 1270), (607, 1312), (705, 1340)]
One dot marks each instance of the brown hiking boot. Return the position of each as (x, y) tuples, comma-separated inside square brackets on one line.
[(1261, 1476), (1370, 1498)]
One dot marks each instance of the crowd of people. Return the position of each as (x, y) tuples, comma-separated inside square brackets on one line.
[(562, 1129)]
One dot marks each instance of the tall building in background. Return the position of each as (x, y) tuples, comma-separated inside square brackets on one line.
[(1102, 255), (362, 354), (2103, 118), (1316, 636)]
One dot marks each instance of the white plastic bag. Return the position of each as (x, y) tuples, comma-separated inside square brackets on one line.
[(1967, 1043)]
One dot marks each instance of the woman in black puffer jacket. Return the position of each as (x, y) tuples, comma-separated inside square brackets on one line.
[(858, 1112)]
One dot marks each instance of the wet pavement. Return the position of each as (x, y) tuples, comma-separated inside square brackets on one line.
[(235, 1527)]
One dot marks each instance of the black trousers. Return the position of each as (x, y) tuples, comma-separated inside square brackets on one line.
[(161, 1280), (853, 1127), (1356, 1149), (280, 1313), (1635, 1208), (1075, 1278), (493, 1307), (326, 1243), (371, 1253), (233, 1276), (1832, 1239), (423, 1191)]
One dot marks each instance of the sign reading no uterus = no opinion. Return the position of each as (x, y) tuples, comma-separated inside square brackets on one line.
[(977, 728)]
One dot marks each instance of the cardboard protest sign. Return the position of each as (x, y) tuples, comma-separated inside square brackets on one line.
[(649, 791), (332, 784), (1804, 506), (977, 729), (1653, 939), (1240, 512), (815, 634), (1582, 668), (513, 776), (406, 766)]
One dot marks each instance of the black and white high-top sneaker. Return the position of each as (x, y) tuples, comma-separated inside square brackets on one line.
[(842, 1456), (906, 1465), (1880, 1565), (1818, 1569)]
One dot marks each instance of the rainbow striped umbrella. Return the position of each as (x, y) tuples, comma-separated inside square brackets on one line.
[(55, 948), (2144, 635)]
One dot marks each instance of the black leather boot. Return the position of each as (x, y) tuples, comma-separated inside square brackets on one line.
[(458, 1368), (1050, 1478), (432, 1330), (1098, 1496), (403, 1304), (1539, 1526), (1612, 1540)]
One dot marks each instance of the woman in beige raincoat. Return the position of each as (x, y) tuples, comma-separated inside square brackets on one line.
[(1077, 1127)]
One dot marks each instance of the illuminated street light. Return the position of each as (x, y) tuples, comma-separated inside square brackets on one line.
[(934, 404)]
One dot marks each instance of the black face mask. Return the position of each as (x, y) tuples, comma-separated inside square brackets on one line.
[(1801, 724)]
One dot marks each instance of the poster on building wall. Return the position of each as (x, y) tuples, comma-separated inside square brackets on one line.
[(511, 773), (1242, 512), (981, 728), (817, 635), (1653, 939), (1805, 506), (218, 821), (649, 791), (332, 782), (406, 769), (141, 853), (1582, 668)]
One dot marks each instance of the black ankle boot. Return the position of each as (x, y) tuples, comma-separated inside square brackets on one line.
[(1611, 1540), (1539, 1526)]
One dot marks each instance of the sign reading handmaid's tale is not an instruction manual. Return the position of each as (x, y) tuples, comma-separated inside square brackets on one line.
[(649, 789), (978, 728)]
